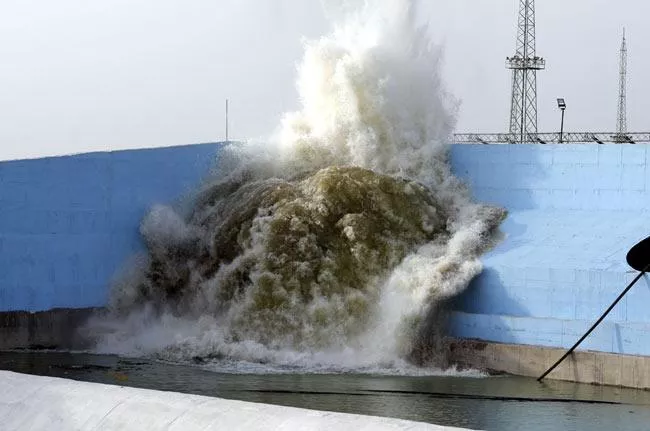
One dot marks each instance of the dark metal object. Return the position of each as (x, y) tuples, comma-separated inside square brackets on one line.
[(638, 258), (562, 105), (524, 65), (639, 255)]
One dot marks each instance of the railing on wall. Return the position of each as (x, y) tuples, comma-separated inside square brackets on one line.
[(552, 138)]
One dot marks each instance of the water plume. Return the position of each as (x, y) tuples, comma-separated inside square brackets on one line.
[(333, 245)]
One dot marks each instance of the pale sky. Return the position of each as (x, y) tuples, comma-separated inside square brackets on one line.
[(79, 75)]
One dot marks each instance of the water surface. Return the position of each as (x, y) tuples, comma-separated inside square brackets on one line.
[(490, 403)]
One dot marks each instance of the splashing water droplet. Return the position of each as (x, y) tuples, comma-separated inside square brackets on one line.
[(335, 244)]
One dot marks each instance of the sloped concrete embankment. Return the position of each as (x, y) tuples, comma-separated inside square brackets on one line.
[(45, 403), (575, 210)]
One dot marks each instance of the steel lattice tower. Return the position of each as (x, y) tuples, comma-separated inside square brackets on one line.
[(621, 123), (524, 65)]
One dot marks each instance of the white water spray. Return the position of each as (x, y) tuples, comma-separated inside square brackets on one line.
[(332, 247)]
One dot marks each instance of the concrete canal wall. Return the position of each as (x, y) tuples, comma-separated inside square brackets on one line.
[(575, 210), (68, 223)]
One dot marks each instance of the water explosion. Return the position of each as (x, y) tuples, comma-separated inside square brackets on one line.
[(335, 243)]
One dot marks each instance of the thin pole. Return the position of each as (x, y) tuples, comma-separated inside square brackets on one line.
[(562, 127), (629, 286), (227, 121), (524, 74)]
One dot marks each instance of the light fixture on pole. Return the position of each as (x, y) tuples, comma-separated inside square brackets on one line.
[(562, 105)]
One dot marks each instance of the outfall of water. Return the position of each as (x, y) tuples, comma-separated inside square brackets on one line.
[(334, 243)]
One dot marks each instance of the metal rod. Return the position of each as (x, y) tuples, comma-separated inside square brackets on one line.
[(562, 127), (629, 286)]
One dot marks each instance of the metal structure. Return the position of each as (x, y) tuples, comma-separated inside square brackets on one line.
[(621, 123), (561, 103), (524, 65), (552, 138), (523, 112)]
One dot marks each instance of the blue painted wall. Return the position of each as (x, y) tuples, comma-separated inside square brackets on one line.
[(68, 223), (575, 210)]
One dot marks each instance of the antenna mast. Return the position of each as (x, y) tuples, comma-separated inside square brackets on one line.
[(621, 123), (524, 65), (227, 121)]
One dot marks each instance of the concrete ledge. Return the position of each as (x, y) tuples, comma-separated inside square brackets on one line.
[(532, 361), (45, 403), (53, 329)]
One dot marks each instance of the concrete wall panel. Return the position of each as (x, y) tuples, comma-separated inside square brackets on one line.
[(68, 223), (575, 210)]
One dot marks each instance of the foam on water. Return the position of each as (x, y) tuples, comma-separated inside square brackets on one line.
[(333, 245)]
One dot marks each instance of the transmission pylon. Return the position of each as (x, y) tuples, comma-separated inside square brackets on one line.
[(621, 123), (524, 65)]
